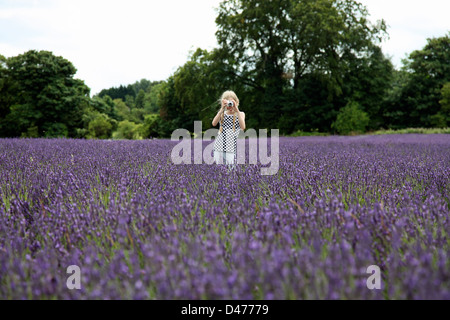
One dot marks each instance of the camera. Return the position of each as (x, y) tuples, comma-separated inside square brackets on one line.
[(230, 103)]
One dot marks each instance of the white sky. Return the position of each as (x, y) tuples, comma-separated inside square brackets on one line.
[(113, 42)]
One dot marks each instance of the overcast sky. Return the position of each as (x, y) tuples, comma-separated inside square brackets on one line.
[(113, 42)]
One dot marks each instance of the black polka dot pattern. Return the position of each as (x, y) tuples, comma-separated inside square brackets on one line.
[(227, 139)]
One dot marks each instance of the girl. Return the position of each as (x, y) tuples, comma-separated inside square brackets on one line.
[(231, 122)]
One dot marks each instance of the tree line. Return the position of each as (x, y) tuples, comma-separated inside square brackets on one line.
[(309, 65)]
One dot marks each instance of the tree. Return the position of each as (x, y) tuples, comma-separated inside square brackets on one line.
[(430, 70), (128, 130), (137, 115), (122, 110), (151, 128), (139, 103), (104, 105), (171, 110), (273, 48), (197, 89), (100, 127), (425, 72), (394, 114), (143, 85), (442, 118), (308, 108), (118, 93), (5, 97), (151, 98), (39, 92), (367, 81), (351, 119)]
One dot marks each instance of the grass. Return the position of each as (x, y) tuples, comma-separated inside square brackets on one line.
[(300, 133), (413, 130)]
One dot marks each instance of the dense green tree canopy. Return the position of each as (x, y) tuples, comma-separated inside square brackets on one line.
[(289, 38), (118, 93), (430, 71), (442, 118), (279, 48), (39, 91)]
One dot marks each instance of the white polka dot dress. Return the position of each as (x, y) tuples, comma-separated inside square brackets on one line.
[(227, 139)]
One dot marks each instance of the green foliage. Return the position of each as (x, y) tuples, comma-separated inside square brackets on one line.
[(299, 62), (96, 125), (104, 105), (172, 113), (156, 127), (143, 85), (122, 110), (438, 120), (394, 114), (151, 127), (38, 91), (351, 119), (151, 99), (415, 102), (366, 82), (137, 115), (445, 102), (55, 130), (139, 104), (442, 118), (414, 130), (308, 107), (118, 93), (128, 130), (5, 97), (131, 94), (32, 132), (40, 98), (100, 127), (313, 133)]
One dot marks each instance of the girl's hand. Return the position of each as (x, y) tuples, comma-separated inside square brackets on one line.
[(224, 103), (235, 107)]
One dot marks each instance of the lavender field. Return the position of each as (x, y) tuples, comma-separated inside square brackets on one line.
[(140, 227)]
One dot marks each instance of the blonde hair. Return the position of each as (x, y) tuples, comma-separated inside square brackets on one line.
[(228, 95)]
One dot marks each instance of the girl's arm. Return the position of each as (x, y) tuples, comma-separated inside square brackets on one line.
[(217, 117), (241, 117)]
